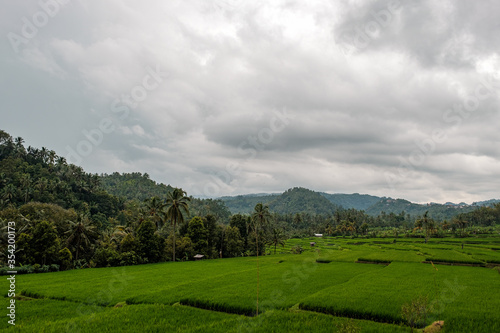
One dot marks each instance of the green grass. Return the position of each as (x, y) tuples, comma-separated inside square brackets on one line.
[(218, 292)]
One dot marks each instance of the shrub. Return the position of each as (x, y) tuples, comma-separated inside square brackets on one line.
[(104, 257), (128, 258), (415, 312), (297, 249)]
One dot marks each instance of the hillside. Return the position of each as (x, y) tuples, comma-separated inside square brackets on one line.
[(244, 204), (436, 211), (137, 186), (301, 200), (133, 186), (33, 174), (355, 200)]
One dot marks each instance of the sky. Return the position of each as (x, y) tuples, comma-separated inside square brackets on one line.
[(228, 97)]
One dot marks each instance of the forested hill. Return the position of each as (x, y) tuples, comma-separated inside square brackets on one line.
[(301, 200), (32, 174), (355, 200), (134, 186), (244, 204), (137, 186), (437, 211)]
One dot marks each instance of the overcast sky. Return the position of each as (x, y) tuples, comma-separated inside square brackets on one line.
[(226, 97)]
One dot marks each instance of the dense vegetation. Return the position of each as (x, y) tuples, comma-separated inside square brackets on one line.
[(66, 218), (300, 200), (299, 293)]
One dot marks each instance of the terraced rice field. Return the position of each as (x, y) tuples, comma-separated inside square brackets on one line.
[(317, 291)]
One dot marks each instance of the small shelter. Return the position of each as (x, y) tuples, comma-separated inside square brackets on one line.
[(318, 235), (313, 243), (199, 257)]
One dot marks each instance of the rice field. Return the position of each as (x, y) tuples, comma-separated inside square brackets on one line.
[(321, 290)]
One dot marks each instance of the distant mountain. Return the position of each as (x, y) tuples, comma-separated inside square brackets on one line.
[(355, 200), (292, 201), (488, 203), (301, 200), (244, 204), (436, 211)]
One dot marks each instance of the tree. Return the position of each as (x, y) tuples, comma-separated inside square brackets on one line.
[(81, 235), (277, 238), (240, 221), (198, 235), (183, 245), (260, 217), (176, 206), (329, 230), (150, 244), (154, 208), (234, 243), (427, 224), (45, 243)]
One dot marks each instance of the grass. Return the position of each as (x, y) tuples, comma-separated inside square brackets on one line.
[(298, 293)]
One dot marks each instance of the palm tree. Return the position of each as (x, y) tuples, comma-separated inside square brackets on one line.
[(277, 238), (155, 209), (10, 192), (176, 205), (81, 234), (329, 230), (260, 217)]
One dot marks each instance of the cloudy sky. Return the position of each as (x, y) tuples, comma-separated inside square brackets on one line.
[(225, 97)]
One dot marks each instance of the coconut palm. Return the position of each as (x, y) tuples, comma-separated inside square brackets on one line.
[(155, 209), (9, 192), (176, 206), (260, 217), (81, 234), (277, 238)]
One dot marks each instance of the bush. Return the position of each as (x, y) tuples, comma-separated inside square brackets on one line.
[(297, 249), (128, 258), (105, 257), (80, 263), (27, 269), (43, 269), (415, 312)]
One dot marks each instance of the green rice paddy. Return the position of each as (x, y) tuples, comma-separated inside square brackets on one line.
[(316, 291)]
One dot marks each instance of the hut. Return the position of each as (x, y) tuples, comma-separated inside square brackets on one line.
[(199, 257)]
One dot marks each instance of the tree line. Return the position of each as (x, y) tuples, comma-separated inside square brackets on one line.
[(66, 219)]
